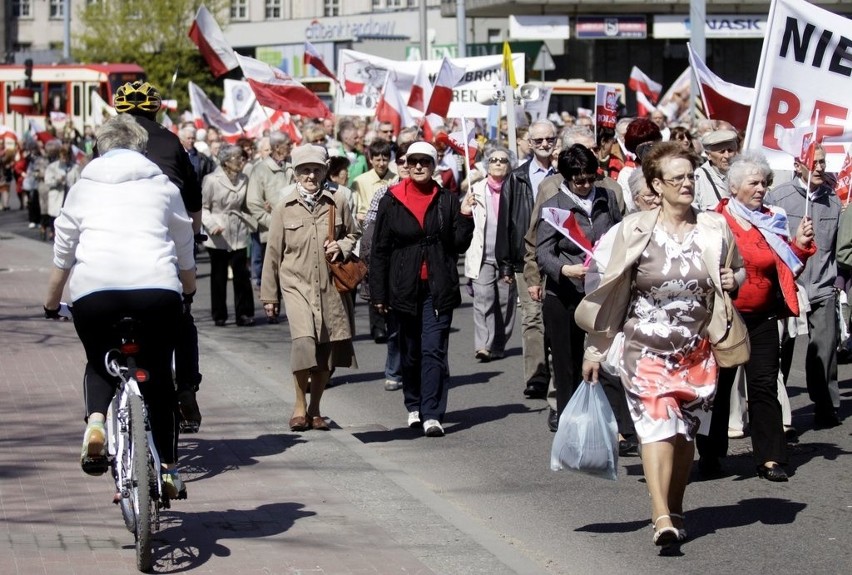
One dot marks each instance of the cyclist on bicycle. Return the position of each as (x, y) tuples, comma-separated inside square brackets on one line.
[(142, 101), (125, 241)]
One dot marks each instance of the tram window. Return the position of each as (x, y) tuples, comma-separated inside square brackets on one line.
[(57, 97), (77, 104), (38, 97)]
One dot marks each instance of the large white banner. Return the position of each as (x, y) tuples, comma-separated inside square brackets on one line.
[(805, 74), (363, 75)]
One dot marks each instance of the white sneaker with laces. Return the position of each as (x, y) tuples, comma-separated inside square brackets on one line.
[(413, 418), (432, 428)]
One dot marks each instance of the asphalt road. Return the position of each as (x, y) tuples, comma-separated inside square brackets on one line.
[(489, 477)]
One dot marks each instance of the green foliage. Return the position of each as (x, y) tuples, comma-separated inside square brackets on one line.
[(152, 34)]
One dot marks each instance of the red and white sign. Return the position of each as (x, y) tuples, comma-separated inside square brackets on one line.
[(22, 101), (722, 100), (206, 34), (606, 106), (804, 75), (277, 90)]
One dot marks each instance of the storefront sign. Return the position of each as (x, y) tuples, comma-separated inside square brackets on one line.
[(606, 27), (349, 29), (716, 26)]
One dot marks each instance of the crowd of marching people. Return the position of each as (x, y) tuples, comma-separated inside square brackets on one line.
[(620, 251)]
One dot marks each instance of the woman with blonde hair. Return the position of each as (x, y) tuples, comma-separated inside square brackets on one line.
[(663, 288)]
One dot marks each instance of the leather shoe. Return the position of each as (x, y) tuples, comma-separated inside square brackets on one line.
[(774, 473), (534, 391), (553, 420), (627, 447), (826, 419), (244, 321), (219, 323), (299, 423), (319, 423), (380, 335)]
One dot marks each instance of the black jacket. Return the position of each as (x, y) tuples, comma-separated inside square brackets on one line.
[(513, 220), (400, 245), (553, 250)]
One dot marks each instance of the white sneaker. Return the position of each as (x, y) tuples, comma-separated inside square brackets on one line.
[(432, 428), (31, 225), (413, 418)]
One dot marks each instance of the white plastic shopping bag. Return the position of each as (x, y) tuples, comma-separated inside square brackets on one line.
[(587, 437)]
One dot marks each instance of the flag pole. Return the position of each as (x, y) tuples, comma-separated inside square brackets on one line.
[(811, 166), (466, 153)]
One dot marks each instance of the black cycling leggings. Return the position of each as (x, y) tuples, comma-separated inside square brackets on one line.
[(158, 311)]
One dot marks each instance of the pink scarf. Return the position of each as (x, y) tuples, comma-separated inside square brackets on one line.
[(495, 186)]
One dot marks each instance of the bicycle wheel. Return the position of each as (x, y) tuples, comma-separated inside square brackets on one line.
[(143, 479), (121, 466)]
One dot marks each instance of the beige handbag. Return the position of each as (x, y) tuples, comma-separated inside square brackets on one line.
[(735, 347)]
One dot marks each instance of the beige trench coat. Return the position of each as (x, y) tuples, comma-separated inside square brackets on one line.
[(295, 265), (223, 205), (603, 312)]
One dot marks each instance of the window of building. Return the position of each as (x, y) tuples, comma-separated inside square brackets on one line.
[(239, 10), (397, 3), (57, 8), (378, 4), (331, 8), (22, 8), (274, 9)]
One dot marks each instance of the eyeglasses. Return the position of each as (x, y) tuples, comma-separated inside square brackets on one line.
[(421, 161), (540, 141), (498, 160), (400, 161), (587, 181), (678, 180)]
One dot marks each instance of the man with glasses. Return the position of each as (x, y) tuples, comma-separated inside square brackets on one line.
[(711, 182), (268, 178), (810, 195), (516, 213)]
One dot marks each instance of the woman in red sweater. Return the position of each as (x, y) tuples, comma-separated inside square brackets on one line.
[(773, 258)]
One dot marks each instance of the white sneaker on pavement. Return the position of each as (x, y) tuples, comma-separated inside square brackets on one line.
[(413, 418), (432, 428), (391, 385)]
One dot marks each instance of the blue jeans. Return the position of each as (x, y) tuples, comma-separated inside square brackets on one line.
[(393, 364), (258, 250), (423, 342)]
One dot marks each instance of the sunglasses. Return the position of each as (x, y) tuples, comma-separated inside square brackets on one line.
[(419, 161), (540, 141), (587, 181), (498, 160)]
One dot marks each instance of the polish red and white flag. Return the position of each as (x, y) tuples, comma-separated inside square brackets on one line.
[(843, 187), (206, 34), (642, 84), (442, 90), (421, 90), (277, 90), (644, 107), (205, 113), (391, 107), (722, 100), (313, 58)]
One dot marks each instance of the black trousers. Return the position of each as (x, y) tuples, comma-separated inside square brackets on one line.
[(764, 410), (158, 312), (566, 344), (243, 296)]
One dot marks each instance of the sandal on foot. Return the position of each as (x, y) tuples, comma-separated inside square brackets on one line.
[(665, 536), (93, 457), (681, 531)]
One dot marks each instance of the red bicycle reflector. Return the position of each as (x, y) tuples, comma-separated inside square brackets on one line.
[(141, 375), (129, 348)]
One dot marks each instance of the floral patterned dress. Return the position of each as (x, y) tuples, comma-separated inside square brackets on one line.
[(667, 367)]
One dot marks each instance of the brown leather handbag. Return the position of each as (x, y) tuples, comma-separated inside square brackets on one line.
[(346, 274), (735, 347)]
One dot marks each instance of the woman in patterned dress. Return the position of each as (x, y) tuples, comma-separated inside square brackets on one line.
[(663, 289)]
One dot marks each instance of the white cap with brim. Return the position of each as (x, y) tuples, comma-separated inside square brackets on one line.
[(422, 149)]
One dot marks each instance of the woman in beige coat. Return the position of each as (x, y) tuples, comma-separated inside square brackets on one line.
[(227, 224), (295, 271)]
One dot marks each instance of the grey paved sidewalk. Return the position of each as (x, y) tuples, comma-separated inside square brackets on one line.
[(262, 500)]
